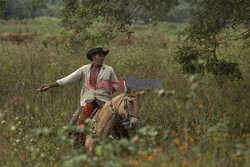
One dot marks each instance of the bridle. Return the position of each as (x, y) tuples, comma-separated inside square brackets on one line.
[(125, 120)]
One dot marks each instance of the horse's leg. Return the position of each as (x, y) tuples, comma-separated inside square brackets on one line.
[(89, 145)]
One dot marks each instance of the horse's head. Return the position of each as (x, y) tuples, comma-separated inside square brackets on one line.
[(129, 113)]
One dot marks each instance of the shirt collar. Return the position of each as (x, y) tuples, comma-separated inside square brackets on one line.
[(102, 68)]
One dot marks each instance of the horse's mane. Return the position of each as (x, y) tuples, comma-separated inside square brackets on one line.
[(116, 101)]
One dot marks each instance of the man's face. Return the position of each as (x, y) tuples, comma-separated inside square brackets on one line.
[(98, 58)]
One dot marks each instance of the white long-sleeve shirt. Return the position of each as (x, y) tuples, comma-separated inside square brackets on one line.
[(106, 78)]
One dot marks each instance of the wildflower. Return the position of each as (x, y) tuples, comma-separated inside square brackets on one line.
[(150, 158), (183, 163), (212, 110), (183, 146), (56, 165), (159, 150), (192, 123), (42, 155), (172, 132), (142, 155), (176, 141), (215, 139), (162, 164), (242, 125), (154, 154), (26, 155), (56, 153), (135, 162), (191, 139), (238, 158), (32, 148), (65, 127), (225, 135), (131, 158), (12, 128), (201, 106), (198, 126)]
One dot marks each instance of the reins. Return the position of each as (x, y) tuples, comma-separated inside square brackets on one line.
[(126, 120)]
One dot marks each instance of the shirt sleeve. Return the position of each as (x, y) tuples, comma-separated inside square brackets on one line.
[(74, 77)]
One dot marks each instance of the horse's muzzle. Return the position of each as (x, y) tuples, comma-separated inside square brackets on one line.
[(131, 125)]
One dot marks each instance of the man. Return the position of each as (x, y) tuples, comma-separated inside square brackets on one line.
[(98, 83)]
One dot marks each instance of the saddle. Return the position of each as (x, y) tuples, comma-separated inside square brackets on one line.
[(94, 112)]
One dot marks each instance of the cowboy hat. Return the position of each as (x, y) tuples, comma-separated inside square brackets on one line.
[(94, 51)]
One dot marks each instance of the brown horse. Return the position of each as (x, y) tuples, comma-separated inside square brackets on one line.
[(123, 113)]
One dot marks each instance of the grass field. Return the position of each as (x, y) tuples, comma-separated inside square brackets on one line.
[(200, 121)]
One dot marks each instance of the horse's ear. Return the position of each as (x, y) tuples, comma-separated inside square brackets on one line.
[(139, 93), (126, 87)]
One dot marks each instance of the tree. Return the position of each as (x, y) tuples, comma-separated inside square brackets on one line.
[(33, 8), (203, 33), (20, 9), (107, 17), (2, 4)]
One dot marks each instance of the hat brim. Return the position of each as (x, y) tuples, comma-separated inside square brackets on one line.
[(89, 55)]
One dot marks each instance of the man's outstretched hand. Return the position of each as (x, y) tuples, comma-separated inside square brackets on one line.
[(47, 86), (43, 88)]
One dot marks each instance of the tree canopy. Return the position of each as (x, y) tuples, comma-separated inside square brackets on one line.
[(108, 16), (16, 9), (203, 36)]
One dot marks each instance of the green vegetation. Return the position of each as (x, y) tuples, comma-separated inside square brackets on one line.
[(218, 23), (38, 25), (16, 9), (195, 121)]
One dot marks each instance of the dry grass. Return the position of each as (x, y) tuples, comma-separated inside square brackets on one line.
[(217, 130)]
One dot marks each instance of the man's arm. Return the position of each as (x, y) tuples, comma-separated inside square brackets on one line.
[(72, 78)]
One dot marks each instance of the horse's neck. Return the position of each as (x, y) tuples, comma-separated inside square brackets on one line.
[(117, 102), (106, 119)]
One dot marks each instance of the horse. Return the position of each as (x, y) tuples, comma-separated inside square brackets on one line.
[(118, 116)]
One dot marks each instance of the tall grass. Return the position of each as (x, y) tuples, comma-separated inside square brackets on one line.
[(210, 129)]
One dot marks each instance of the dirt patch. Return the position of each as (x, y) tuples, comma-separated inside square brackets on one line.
[(127, 40), (139, 27), (50, 37), (23, 22), (18, 38)]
